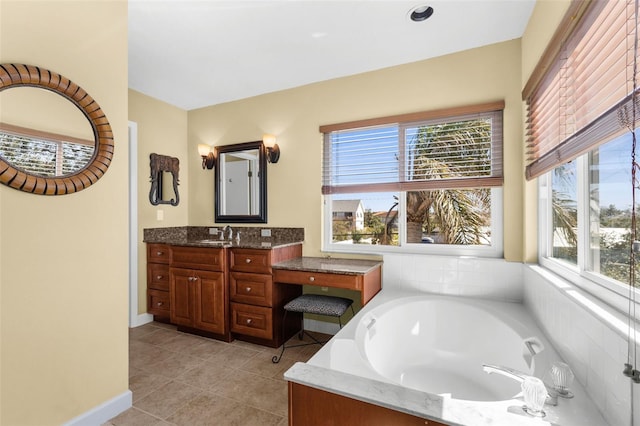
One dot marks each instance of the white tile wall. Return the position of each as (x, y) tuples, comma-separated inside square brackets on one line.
[(459, 276), (593, 348)]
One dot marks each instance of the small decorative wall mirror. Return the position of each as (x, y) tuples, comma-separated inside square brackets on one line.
[(164, 180)]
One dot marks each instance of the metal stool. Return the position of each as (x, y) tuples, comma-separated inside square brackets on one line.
[(318, 304)]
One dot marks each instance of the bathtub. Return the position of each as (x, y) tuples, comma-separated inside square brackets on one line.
[(418, 347), (439, 345)]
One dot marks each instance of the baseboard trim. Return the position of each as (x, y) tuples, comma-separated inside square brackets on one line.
[(141, 319), (105, 411), (321, 326)]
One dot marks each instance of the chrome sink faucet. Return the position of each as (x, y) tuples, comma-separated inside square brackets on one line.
[(505, 371), (229, 230), (519, 376)]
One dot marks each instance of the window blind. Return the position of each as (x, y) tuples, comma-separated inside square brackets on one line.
[(586, 93), (34, 152), (463, 151), (36, 156)]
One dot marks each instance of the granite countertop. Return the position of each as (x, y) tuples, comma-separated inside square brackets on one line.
[(331, 265), (198, 236), (212, 243)]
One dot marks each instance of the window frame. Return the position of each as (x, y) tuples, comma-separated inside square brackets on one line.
[(611, 291), (495, 250), (493, 182)]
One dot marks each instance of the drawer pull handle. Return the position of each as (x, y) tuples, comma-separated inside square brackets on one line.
[(159, 277), (159, 303), (159, 253), (248, 260), (248, 289), (248, 320), (312, 279)]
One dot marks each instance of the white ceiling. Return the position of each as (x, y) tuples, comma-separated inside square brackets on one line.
[(193, 54)]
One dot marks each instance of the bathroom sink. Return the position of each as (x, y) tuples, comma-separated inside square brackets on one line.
[(215, 242)]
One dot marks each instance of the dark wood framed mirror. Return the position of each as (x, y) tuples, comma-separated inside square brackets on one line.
[(20, 172), (241, 183)]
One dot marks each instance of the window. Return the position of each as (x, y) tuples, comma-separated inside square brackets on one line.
[(44, 154), (564, 211), (424, 182), (610, 209), (586, 216), (581, 114)]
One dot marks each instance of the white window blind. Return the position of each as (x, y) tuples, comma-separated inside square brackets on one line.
[(43, 156), (461, 151), (362, 156)]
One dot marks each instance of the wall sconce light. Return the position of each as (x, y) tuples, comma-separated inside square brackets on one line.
[(208, 159), (273, 150)]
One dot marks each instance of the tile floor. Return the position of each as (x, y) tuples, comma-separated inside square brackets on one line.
[(185, 380)]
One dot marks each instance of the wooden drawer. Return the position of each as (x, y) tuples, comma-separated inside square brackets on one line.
[(158, 253), (254, 289), (158, 302), (158, 276), (208, 259), (352, 282), (256, 321), (247, 260)]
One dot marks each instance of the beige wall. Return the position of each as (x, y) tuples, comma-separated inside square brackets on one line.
[(63, 259), (162, 129), (541, 27), (544, 20), (475, 76)]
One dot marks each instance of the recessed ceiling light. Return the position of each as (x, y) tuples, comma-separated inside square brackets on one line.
[(421, 13)]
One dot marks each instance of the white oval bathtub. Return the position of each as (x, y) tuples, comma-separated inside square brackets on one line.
[(439, 345), (423, 355)]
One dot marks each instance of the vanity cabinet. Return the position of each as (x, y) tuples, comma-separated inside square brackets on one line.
[(198, 291), (158, 301), (257, 304), (197, 299), (309, 406), (222, 292)]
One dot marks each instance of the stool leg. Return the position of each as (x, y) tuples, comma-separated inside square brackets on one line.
[(353, 314), (276, 358), (301, 333)]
